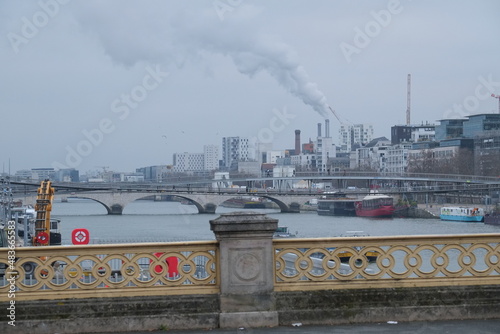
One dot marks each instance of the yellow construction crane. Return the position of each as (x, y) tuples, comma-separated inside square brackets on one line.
[(43, 207)]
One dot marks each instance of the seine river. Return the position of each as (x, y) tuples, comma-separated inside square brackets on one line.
[(148, 221)]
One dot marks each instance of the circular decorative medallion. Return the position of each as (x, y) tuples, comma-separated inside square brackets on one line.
[(247, 267)]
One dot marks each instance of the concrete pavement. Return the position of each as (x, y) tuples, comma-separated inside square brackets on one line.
[(436, 327)]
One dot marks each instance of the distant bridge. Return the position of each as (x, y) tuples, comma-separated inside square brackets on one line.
[(207, 194), (341, 180), (205, 202)]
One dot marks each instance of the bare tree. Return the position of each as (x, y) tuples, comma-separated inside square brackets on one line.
[(463, 162), (423, 162), (488, 163), (427, 162)]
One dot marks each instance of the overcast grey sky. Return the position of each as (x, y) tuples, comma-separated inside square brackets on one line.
[(126, 84)]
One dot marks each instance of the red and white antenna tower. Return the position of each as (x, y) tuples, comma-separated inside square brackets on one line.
[(497, 97), (336, 116), (408, 98)]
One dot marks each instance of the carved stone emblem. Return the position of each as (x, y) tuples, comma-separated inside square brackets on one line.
[(247, 267)]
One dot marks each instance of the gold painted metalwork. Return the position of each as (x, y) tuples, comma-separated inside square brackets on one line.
[(54, 272), (59, 272), (402, 261)]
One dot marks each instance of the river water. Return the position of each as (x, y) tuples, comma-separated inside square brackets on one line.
[(149, 221)]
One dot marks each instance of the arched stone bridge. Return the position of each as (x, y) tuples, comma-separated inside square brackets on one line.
[(115, 202)]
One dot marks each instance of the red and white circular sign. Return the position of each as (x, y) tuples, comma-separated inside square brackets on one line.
[(42, 238), (80, 236)]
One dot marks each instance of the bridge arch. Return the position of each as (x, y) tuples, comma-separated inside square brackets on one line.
[(113, 209), (202, 207), (288, 204), (205, 203), (283, 207), (115, 201)]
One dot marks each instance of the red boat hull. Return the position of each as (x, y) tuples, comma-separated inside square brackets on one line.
[(382, 211)]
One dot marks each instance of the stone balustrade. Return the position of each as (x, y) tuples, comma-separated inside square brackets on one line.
[(245, 278)]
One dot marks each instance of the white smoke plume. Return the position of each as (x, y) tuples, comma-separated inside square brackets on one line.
[(161, 32)]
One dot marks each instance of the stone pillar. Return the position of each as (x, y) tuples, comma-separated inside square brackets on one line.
[(208, 208), (115, 209), (246, 269)]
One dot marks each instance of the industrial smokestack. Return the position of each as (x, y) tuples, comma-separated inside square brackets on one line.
[(319, 129), (327, 128), (297, 142)]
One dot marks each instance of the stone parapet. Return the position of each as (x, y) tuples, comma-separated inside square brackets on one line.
[(246, 269), (338, 307), (114, 314)]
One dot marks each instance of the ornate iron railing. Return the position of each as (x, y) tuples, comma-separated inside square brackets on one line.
[(404, 261), (110, 270), (301, 264)]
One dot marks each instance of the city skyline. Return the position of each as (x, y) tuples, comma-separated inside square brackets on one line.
[(124, 84), (211, 151)]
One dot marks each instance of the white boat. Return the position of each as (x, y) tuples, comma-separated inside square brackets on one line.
[(462, 214), (282, 232)]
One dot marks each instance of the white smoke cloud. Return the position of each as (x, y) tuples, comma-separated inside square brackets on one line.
[(288, 72), (165, 33)]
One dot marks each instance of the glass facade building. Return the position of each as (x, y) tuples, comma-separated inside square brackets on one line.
[(477, 125), (449, 128)]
